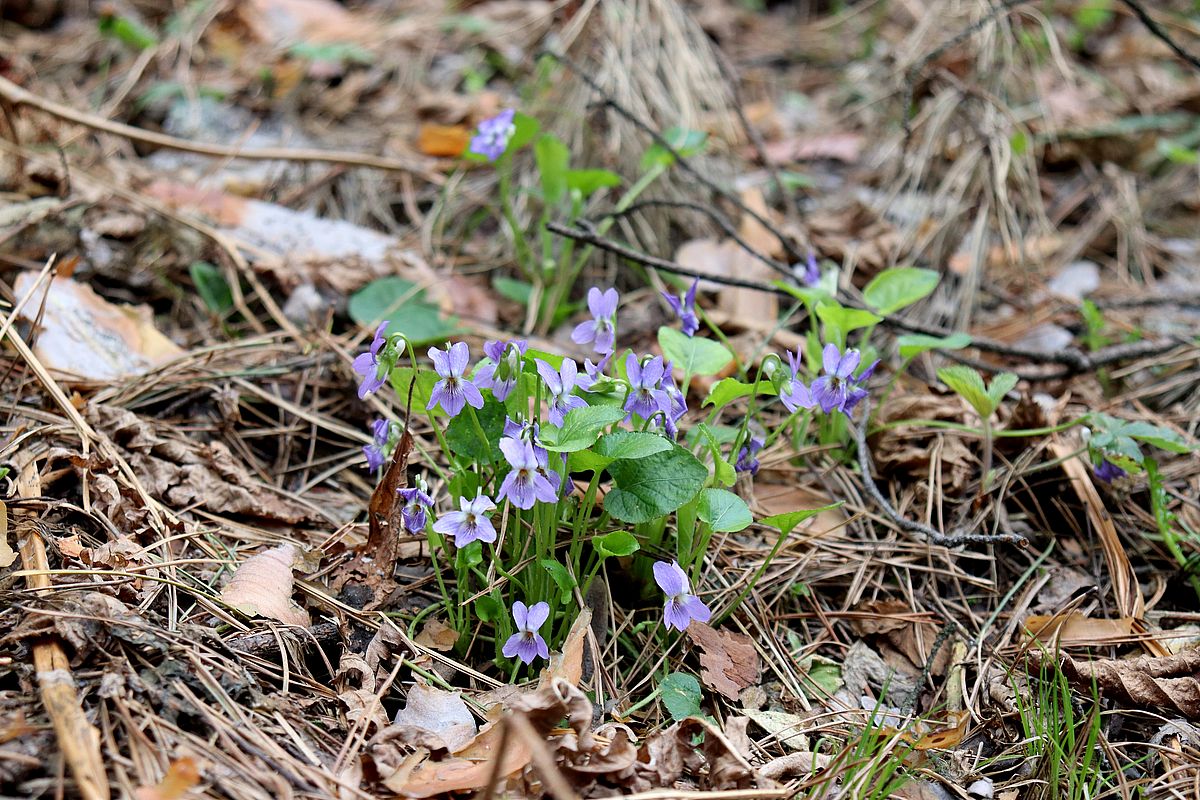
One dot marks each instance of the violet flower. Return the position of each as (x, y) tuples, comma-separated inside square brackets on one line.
[(746, 459), (376, 451), (491, 138), (453, 391), (501, 374), (685, 306), (593, 373), (561, 384), (682, 606), (469, 524), (678, 402), (525, 484), (367, 364), (1108, 472), (417, 504), (811, 276), (601, 330), (527, 644), (646, 394), (838, 388), (794, 394)]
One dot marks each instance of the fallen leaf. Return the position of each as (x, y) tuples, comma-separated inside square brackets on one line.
[(1074, 629), (7, 554), (84, 335), (446, 141), (435, 718), (729, 661), (182, 776), (262, 586), (1167, 682), (784, 727), (895, 629), (437, 635)]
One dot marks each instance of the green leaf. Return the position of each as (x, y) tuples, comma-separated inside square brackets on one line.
[(527, 129), (968, 383), (1002, 384), (587, 461), (1177, 153), (693, 355), (589, 181), (617, 543), (561, 577), (786, 523), (469, 556), (723, 510), (211, 286), (840, 321), (680, 695), (726, 390), (685, 142), (630, 444), (335, 52), (580, 429), (913, 344), (1157, 436), (1019, 142), (553, 158), (899, 287), (401, 377), (723, 471), (464, 439), (488, 608), (513, 289), (405, 307), (647, 488), (127, 31)]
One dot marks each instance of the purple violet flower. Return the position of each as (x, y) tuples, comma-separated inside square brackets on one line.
[(501, 374), (1108, 472), (593, 373), (678, 402), (812, 272), (376, 451), (561, 384), (367, 364), (453, 391), (491, 138), (527, 644), (794, 394), (682, 606), (838, 388), (525, 483), (685, 306), (646, 394), (417, 504), (601, 330), (469, 524), (746, 459)]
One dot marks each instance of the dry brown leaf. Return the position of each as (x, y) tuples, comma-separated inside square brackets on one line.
[(262, 586), (181, 777), (445, 141), (715, 764), (1074, 629), (437, 635), (1168, 682), (84, 335), (894, 628), (729, 661), (435, 719)]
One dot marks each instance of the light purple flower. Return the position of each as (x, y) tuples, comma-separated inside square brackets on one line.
[(838, 388), (501, 374), (491, 139), (367, 364), (470, 523), (682, 606), (376, 451), (794, 394), (417, 504), (678, 402), (601, 330), (593, 373), (561, 384), (811, 276), (1108, 472), (685, 306), (746, 460), (646, 394), (527, 644), (453, 391), (525, 483)]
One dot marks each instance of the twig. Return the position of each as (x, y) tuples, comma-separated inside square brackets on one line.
[(680, 160), (1157, 31), (923, 532), (17, 96), (1072, 360)]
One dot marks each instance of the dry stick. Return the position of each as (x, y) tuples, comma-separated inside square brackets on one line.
[(1074, 361), (78, 740), (1157, 31), (924, 532), (17, 96), (680, 160)]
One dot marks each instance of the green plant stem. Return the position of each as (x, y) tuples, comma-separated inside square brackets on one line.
[(487, 445), (524, 254)]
